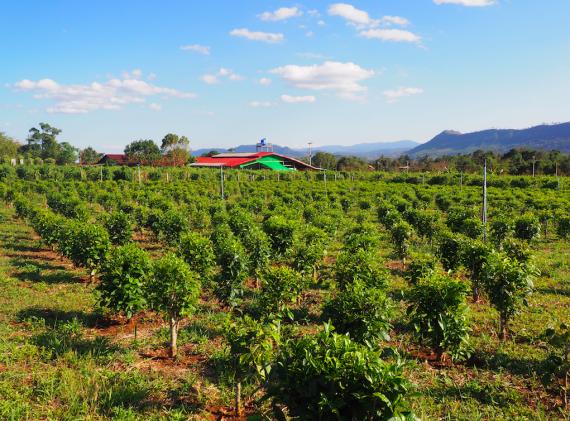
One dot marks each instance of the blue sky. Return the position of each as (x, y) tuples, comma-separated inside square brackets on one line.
[(227, 72)]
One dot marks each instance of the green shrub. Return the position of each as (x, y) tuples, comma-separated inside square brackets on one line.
[(360, 266), (329, 376), (438, 312), (198, 253), (508, 283), (362, 312), (123, 279), (280, 286), (174, 290), (118, 225), (527, 227)]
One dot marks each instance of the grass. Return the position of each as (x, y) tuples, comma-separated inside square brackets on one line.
[(60, 358)]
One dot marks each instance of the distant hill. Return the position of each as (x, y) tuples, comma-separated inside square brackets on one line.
[(547, 137), (363, 150)]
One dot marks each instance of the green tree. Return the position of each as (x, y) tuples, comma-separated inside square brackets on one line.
[(123, 279), (508, 283), (42, 142), (89, 246), (144, 152), (362, 312), (175, 148), (89, 156), (119, 226), (351, 163), (174, 290), (8, 146), (324, 160), (197, 252), (66, 154), (280, 286), (252, 346), (329, 376), (438, 312)]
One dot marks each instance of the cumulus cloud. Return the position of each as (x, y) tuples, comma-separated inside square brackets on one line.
[(113, 94), (394, 95), (282, 13), (197, 48), (155, 107), (289, 99), (352, 14), (343, 78), (467, 3), (265, 81), (374, 28), (395, 35), (269, 37), (261, 104), (214, 78)]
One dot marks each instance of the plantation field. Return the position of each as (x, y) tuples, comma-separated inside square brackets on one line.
[(357, 296)]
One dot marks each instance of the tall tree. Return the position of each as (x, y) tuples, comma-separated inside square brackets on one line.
[(42, 142), (144, 152), (8, 146), (89, 156), (324, 160), (175, 148)]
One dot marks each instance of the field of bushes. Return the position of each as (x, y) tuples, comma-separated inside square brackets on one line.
[(131, 293)]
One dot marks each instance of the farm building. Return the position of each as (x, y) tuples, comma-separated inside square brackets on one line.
[(253, 161), (113, 159)]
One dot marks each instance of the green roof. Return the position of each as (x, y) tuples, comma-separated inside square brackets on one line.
[(270, 162)]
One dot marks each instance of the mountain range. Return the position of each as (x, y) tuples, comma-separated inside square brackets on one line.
[(363, 150), (449, 142)]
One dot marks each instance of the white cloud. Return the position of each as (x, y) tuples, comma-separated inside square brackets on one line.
[(213, 79), (283, 13), (268, 37), (197, 48), (394, 95), (314, 13), (155, 107), (298, 99), (396, 35), (261, 104), (135, 74), (265, 81), (321, 23), (342, 78), (395, 20), (210, 79), (467, 3), (352, 14), (113, 94)]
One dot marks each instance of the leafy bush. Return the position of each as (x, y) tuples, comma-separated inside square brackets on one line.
[(421, 267), (360, 266), (281, 233), (508, 283), (362, 312), (449, 251), (438, 312), (401, 233), (280, 286), (563, 227), (233, 262), (252, 346), (123, 279), (500, 229), (329, 376), (527, 227), (118, 225), (89, 245), (174, 290), (171, 225), (198, 253)]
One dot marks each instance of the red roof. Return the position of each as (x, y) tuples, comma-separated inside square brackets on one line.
[(119, 158), (233, 160)]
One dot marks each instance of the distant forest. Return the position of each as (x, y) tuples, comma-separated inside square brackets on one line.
[(42, 147)]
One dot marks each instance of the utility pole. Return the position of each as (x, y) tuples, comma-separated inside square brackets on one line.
[(533, 163), (310, 154), (101, 174), (222, 180), (484, 218)]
